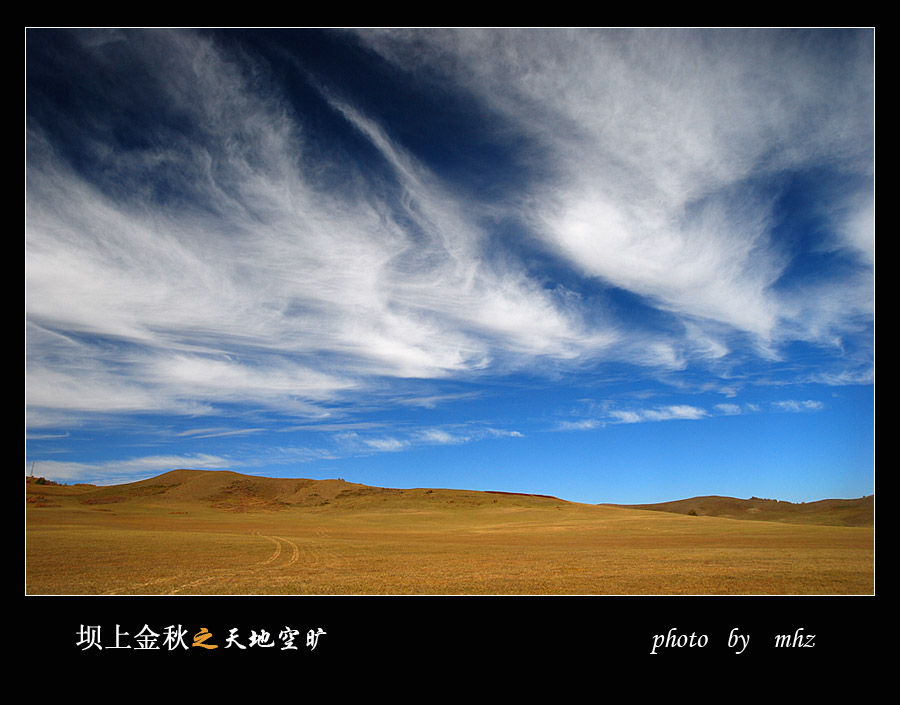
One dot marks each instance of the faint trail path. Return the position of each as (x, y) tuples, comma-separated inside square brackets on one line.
[(295, 550), (285, 552), (275, 561), (132, 590), (274, 556), (311, 550)]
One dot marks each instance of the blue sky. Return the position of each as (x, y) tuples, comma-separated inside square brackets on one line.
[(610, 266)]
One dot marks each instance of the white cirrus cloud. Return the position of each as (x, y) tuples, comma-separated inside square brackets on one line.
[(660, 148), (263, 280), (794, 405), (659, 413), (728, 409)]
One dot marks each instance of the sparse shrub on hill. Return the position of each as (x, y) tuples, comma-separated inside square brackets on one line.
[(692, 513)]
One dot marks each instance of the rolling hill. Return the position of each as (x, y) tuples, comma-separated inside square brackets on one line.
[(231, 491), (234, 492), (830, 512)]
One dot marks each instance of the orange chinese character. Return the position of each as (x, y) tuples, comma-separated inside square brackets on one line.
[(202, 636)]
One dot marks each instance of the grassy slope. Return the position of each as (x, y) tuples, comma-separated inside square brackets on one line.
[(206, 532)]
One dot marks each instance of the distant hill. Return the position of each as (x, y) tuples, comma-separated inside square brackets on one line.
[(231, 491), (832, 512), (234, 492)]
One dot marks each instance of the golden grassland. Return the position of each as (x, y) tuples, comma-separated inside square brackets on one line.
[(220, 533)]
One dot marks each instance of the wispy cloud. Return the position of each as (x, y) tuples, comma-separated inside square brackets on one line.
[(339, 427), (44, 436), (218, 432), (664, 413), (262, 282), (843, 377), (728, 409), (606, 414), (385, 444), (798, 406), (436, 435), (583, 425), (353, 440), (659, 149), (432, 401)]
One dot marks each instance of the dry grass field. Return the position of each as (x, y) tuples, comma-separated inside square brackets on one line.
[(203, 532)]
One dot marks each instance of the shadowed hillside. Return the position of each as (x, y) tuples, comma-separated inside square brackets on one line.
[(831, 512)]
